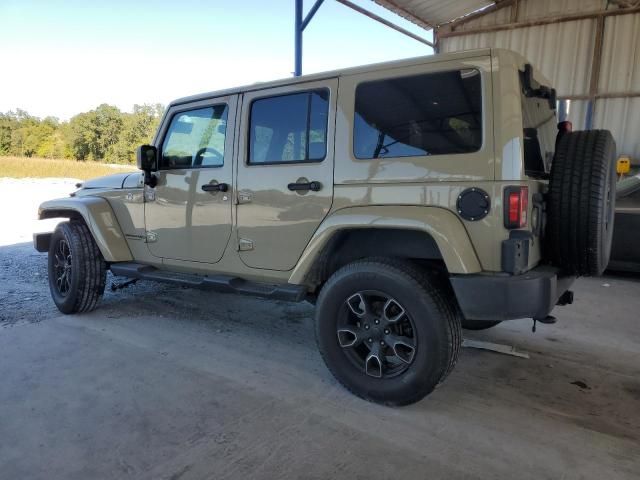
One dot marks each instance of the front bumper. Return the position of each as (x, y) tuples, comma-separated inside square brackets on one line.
[(507, 297), (41, 241)]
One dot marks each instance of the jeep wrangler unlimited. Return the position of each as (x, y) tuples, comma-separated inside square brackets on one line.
[(406, 200)]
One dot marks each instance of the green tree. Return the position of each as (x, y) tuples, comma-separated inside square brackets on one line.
[(94, 132), (138, 128), (105, 133), (7, 125)]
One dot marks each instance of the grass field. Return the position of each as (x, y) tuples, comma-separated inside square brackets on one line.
[(19, 167)]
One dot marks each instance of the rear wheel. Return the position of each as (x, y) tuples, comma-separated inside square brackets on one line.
[(77, 271), (581, 202), (387, 331)]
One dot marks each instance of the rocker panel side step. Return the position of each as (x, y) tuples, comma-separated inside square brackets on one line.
[(220, 283)]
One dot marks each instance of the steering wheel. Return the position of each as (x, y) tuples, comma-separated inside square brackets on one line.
[(199, 156)]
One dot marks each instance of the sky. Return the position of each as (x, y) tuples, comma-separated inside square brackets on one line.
[(59, 58)]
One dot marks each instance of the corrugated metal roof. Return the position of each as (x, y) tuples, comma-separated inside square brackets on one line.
[(568, 68), (534, 11), (563, 52), (620, 72), (433, 12), (620, 69), (622, 117)]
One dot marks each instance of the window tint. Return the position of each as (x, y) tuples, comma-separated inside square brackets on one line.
[(431, 114), (289, 128), (196, 139)]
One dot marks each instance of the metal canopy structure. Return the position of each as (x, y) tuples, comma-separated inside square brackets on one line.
[(301, 22), (589, 49), (434, 13)]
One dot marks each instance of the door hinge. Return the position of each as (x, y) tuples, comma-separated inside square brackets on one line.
[(244, 196), (244, 244), (149, 194)]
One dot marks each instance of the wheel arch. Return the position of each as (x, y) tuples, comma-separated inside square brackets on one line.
[(425, 233), (99, 218)]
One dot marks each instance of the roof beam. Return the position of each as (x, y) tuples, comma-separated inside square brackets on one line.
[(498, 5), (540, 21), (311, 13), (596, 61), (384, 21), (404, 13), (598, 96), (626, 3), (514, 11)]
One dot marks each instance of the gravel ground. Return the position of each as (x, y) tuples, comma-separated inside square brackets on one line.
[(174, 383)]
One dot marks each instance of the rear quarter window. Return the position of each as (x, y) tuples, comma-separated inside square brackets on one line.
[(430, 114)]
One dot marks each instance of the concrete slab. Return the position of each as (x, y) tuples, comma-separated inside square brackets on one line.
[(170, 383), (165, 382)]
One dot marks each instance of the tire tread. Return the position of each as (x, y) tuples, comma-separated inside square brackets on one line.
[(91, 268), (582, 166), (431, 286)]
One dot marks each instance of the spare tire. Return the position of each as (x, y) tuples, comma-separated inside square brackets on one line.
[(581, 202)]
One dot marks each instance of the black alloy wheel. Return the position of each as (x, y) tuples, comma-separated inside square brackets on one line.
[(377, 334), (62, 267), (388, 330), (77, 270)]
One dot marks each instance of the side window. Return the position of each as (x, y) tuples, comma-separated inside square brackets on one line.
[(195, 139), (431, 114), (289, 128)]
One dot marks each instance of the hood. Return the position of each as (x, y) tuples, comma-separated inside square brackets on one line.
[(118, 180)]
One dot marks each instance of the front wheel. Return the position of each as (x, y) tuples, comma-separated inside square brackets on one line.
[(77, 271), (387, 331)]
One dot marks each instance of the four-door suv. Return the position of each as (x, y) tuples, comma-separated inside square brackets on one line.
[(404, 199)]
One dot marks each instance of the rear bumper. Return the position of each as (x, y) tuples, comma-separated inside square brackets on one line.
[(506, 297)]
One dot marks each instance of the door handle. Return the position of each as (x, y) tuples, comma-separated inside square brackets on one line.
[(215, 187), (313, 186)]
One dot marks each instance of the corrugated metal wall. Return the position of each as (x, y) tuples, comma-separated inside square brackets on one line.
[(564, 52)]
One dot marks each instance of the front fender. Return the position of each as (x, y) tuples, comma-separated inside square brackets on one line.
[(100, 220), (444, 227)]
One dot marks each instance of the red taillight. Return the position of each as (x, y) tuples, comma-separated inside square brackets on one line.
[(516, 201)]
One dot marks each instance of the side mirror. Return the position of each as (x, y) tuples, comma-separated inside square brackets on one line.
[(147, 158)]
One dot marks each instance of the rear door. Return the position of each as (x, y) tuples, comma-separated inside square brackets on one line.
[(285, 171)]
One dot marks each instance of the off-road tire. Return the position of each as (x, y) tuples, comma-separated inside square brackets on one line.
[(87, 269), (479, 324), (581, 202), (424, 298)]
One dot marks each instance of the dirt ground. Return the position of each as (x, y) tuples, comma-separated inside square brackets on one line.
[(172, 383)]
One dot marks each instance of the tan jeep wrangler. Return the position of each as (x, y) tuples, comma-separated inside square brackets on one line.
[(405, 199)]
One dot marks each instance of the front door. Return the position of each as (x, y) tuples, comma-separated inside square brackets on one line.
[(188, 213), (285, 171)]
